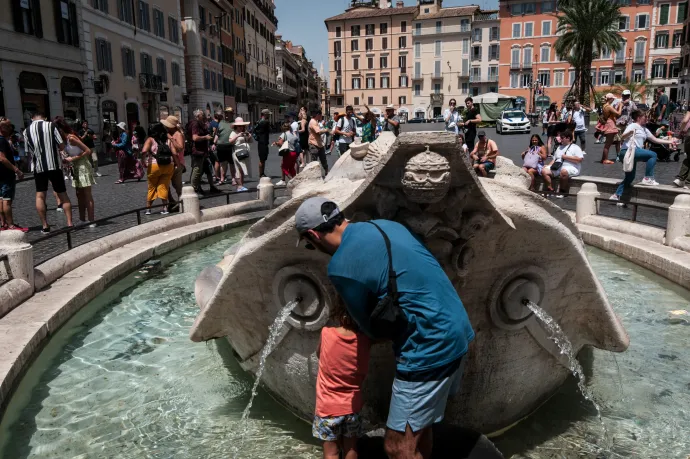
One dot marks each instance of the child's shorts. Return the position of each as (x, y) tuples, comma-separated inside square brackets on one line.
[(330, 428)]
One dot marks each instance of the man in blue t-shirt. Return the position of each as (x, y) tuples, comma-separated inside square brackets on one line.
[(430, 352)]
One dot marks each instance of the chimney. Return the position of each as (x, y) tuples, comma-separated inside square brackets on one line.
[(399, 4), (386, 4)]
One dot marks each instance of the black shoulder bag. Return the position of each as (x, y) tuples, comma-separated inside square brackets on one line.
[(387, 319)]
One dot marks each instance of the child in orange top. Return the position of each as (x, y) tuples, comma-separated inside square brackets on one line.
[(343, 365)]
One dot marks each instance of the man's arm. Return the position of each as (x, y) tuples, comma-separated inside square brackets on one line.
[(195, 134), (392, 122), (6, 163), (662, 111), (477, 120), (356, 297)]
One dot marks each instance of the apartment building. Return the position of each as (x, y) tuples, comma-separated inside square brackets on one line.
[(41, 61), (528, 35), (287, 75), (259, 31), (370, 57), (684, 81), (240, 52), (455, 55)]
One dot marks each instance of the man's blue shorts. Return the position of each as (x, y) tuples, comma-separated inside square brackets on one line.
[(423, 403), (7, 190)]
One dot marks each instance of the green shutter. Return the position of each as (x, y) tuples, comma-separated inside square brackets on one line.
[(682, 11), (663, 14)]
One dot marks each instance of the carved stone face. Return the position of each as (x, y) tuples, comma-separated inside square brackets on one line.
[(427, 177)]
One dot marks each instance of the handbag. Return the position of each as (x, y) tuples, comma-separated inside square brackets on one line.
[(285, 147), (387, 319), (557, 164), (242, 154), (629, 159)]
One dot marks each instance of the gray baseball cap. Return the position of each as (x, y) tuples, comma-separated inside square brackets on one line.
[(310, 215)]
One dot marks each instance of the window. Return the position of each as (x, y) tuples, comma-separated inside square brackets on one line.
[(515, 58), (546, 28), (355, 63), (383, 28), (437, 48), (677, 36), (402, 62), (664, 14), (338, 67), (146, 63), (162, 70), (493, 53), (493, 73), (371, 82), (354, 45), (465, 67), (124, 11), (548, 6), (204, 47), (545, 54), (207, 79), (605, 53), (437, 69), (529, 29), (523, 8), (104, 55), (173, 30), (526, 80), (402, 42), (494, 34), (439, 26), (618, 77), (637, 75), (370, 62), (604, 78), (640, 46), (383, 61), (369, 29), (101, 5), (175, 71), (354, 30), (158, 23), (517, 28), (682, 12), (465, 46), (337, 51), (527, 57), (418, 28), (545, 78), (464, 25), (417, 89), (477, 35), (641, 21), (659, 69), (338, 87), (385, 82), (213, 51), (417, 69), (370, 100), (339, 101), (402, 100), (465, 88), (643, 2), (514, 79), (437, 88), (624, 23), (66, 27), (337, 32), (356, 83), (476, 53), (661, 40), (128, 66), (144, 16), (384, 100), (384, 43), (403, 26), (369, 44), (402, 81)]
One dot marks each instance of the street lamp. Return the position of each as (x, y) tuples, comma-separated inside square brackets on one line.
[(630, 50)]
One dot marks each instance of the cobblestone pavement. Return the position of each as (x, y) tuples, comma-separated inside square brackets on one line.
[(113, 199)]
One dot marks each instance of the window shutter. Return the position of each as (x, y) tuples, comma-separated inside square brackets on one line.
[(100, 50), (74, 24), (36, 12), (57, 12), (17, 15), (109, 57), (124, 61)]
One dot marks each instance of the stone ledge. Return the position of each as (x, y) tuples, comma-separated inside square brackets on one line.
[(25, 329), (647, 232), (673, 264)]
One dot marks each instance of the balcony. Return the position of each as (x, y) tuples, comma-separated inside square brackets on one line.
[(486, 17), (527, 65), (437, 75), (150, 83), (492, 78), (515, 65), (477, 57), (417, 76), (618, 59), (436, 99), (475, 78), (465, 28), (638, 60)]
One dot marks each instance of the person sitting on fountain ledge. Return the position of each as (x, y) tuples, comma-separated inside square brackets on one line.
[(343, 364), (395, 289)]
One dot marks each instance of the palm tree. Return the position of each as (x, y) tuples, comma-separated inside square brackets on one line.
[(637, 90), (586, 26)]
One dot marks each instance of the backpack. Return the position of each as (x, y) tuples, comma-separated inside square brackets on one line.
[(164, 155)]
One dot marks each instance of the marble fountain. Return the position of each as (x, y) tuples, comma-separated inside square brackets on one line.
[(498, 243)]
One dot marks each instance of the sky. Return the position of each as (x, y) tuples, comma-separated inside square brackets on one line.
[(302, 22)]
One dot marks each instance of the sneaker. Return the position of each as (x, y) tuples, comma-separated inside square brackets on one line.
[(214, 190), (45, 230), (242, 189), (93, 225), (560, 196), (281, 183), (614, 197), (649, 181), (680, 184), (59, 208), (148, 212), (164, 212), (98, 174)]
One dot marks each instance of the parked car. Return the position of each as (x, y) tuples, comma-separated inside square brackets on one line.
[(438, 119), (417, 119), (513, 121)]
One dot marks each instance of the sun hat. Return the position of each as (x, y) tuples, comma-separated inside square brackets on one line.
[(240, 122), (310, 215), (390, 107), (610, 96), (122, 125), (170, 122), (481, 134), (266, 111), (626, 92)]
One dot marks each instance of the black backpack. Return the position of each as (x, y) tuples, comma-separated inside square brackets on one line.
[(164, 156)]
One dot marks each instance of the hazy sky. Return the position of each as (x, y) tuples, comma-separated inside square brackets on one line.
[(302, 22)]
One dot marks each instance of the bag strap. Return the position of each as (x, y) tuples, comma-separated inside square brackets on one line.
[(392, 276)]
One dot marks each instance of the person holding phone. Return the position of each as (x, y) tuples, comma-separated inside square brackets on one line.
[(452, 118)]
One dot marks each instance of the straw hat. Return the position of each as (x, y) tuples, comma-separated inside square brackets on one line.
[(229, 109), (610, 96), (240, 122), (122, 125), (170, 122), (390, 107)]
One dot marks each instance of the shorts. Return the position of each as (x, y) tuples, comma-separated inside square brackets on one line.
[(423, 403), (7, 190), (54, 177), (212, 157), (570, 169), (224, 153), (330, 428), (343, 147), (263, 152), (488, 165)]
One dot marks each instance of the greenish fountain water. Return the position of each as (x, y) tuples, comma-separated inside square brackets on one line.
[(122, 379)]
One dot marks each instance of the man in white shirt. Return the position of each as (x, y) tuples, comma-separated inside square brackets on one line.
[(567, 163), (577, 117), (346, 129)]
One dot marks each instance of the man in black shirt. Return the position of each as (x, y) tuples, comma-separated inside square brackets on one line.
[(262, 131), (87, 137), (472, 119), (8, 172)]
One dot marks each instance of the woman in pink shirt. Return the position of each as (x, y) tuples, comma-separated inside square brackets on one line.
[(343, 364)]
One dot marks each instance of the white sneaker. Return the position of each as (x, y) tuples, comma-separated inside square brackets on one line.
[(148, 212), (164, 212), (649, 181), (281, 183), (679, 184), (560, 196), (614, 197), (242, 189), (59, 209), (93, 225), (98, 174)]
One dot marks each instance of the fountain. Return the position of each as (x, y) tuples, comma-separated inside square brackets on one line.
[(498, 243)]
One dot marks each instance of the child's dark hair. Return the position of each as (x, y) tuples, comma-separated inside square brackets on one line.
[(342, 317)]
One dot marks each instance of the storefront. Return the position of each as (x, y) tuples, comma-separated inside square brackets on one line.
[(34, 95), (72, 99)]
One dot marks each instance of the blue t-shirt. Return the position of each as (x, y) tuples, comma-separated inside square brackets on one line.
[(359, 271)]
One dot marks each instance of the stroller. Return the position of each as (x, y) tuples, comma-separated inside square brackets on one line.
[(663, 152)]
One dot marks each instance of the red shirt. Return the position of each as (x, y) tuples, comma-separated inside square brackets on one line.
[(343, 365)]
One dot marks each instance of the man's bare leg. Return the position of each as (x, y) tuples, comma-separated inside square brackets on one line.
[(66, 207), (41, 207)]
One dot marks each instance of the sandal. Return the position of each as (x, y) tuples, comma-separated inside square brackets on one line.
[(119, 182), (607, 161)]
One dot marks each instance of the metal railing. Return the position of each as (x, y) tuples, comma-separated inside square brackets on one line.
[(635, 205)]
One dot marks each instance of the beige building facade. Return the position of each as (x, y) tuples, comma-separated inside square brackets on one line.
[(41, 60), (135, 62)]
